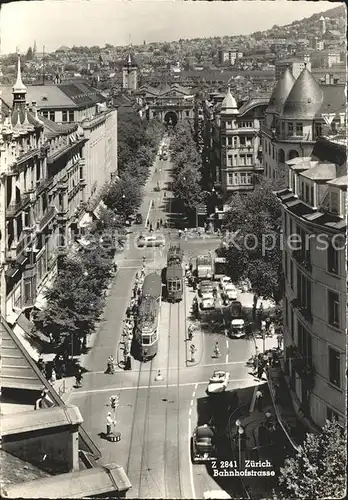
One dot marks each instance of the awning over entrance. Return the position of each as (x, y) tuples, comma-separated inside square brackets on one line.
[(86, 220), (99, 208)]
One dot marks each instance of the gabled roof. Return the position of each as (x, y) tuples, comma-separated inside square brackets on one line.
[(281, 92), (305, 98)]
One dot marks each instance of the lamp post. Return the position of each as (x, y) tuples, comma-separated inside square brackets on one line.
[(240, 434)]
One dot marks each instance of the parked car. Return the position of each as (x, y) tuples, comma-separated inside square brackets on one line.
[(218, 382), (207, 301), (237, 328), (151, 241), (230, 291), (205, 286), (138, 219), (224, 280)]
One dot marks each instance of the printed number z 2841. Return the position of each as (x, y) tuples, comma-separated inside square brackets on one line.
[(224, 464)]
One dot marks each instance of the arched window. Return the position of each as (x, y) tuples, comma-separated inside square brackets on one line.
[(293, 154), (281, 156)]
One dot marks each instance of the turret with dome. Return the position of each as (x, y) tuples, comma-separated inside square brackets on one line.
[(279, 96), (229, 104)]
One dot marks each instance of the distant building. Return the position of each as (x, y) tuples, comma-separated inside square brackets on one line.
[(314, 211), (322, 22), (130, 75), (299, 112), (229, 56), (295, 66)]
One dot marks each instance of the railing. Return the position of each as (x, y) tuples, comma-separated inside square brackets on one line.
[(14, 208), (302, 260), (42, 184), (47, 217)]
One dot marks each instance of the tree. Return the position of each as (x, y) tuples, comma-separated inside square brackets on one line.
[(252, 233), (319, 468), (29, 54), (186, 187), (124, 196)]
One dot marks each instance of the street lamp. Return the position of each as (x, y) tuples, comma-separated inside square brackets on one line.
[(240, 434)]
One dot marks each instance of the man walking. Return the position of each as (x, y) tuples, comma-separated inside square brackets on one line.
[(109, 422), (259, 400)]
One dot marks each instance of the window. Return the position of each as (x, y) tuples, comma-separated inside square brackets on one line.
[(318, 130), (229, 141), (145, 340), (187, 113), (242, 160), (273, 152), (334, 203), (304, 343), (290, 129), (286, 265), (311, 196), (331, 414), (286, 306), (242, 140), (292, 323), (305, 252), (52, 116), (230, 178), (242, 178), (28, 295), (44, 114), (334, 305), (334, 367), (299, 129), (291, 274), (304, 291), (249, 159), (332, 259), (229, 160), (71, 116), (64, 115)]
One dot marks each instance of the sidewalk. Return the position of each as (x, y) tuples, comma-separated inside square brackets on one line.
[(197, 340)]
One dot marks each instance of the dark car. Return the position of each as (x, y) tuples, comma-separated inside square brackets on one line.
[(138, 219)]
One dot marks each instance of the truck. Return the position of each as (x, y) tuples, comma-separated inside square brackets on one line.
[(204, 267)]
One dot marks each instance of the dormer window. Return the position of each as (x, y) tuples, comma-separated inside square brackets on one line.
[(299, 129)]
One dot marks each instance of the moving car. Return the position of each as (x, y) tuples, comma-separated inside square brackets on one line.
[(224, 280), (207, 301), (138, 219), (218, 382), (238, 328), (205, 286), (157, 240), (230, 291), (203, 444)]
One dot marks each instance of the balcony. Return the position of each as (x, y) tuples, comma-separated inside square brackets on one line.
[(83, 182), (62, 213), (13, 208), (46, 218), (302, 260), (63, 183), (42, 184)]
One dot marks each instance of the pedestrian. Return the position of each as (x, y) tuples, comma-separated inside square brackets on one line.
[(165, 224), (259, 400), (270, 358), (217, 352), (53, 376), (263, 326), (260, 370), (267, 323), (139, 292), (161, 222), (109, 422), (151, 229), (276, 393), (271, 330), (158, 225), (269, 420), (128, 312), (41, 365), (165, 194), (110, 365), (280, 340)]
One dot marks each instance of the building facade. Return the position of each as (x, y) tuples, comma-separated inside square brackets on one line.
[(234, 142), (314, 229), (51, 177), (299, 112)]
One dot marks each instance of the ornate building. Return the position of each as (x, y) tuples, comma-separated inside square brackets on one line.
[(299, 112), (314, 261), (232, 136), (51, 175)]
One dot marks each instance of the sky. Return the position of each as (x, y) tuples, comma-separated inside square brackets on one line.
[(53, 23)]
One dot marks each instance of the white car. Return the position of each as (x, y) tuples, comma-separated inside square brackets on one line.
[(230, 291), (207, 301), (218, 382), (224, 281)]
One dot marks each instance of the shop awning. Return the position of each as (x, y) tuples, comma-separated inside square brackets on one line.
[(26, 328), (86, 220), (99, 208), (41, 301)]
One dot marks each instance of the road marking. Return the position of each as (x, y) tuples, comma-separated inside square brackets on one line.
[(156, 386), (148, 213), (190, 412)]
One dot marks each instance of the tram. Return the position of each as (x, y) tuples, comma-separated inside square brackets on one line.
[(175, 274), (147, 320)]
